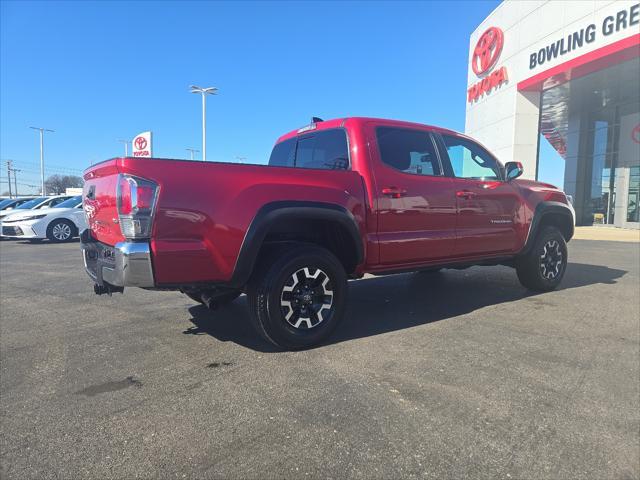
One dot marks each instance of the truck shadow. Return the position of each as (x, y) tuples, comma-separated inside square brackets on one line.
[(379, 305)]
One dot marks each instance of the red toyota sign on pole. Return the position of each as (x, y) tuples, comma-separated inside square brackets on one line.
[(142, 145)]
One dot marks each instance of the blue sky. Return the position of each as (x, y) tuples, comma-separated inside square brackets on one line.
[(99, 71)]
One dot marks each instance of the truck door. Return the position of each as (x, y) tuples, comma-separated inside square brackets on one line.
[(416, 200), (488, 207)]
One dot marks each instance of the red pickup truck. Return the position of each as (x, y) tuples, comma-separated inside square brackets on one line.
[(338, 199)]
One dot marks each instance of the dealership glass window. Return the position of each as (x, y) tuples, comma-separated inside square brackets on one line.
[(469, 160), (410, 151), (589, 121), (633, 209)]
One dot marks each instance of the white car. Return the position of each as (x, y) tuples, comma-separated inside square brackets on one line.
[(59, 224), (7, 205), (32, 203)]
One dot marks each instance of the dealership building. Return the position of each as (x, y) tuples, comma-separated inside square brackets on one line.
[(556, 86)]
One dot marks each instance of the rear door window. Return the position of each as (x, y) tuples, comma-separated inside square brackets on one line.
[(410, 151)]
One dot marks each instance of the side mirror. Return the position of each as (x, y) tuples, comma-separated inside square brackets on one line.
[(513, 170)]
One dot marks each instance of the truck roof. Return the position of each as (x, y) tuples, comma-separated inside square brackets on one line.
[(355, 121)]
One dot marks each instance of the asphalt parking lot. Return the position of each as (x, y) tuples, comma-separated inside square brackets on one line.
[(451, 375)]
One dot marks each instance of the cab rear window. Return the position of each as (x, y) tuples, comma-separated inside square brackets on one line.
[(326, 149), (283, 154)]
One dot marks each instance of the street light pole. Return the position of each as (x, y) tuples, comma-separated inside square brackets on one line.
[(126, 146), (192, 151), (204, 92), (204, 128), (42, 130)]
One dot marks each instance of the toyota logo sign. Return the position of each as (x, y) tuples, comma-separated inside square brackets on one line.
[(142, 145), (487, 51), (635, 133), (484, 58)]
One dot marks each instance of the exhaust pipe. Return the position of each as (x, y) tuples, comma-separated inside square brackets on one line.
[(209, 300), (106, 289)]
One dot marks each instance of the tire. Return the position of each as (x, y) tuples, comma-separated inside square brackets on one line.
[(543, 267), (297, 296), (220, 300), (61, 230)]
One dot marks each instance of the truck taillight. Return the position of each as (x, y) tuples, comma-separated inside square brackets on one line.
[(136, 201), (124, 195)]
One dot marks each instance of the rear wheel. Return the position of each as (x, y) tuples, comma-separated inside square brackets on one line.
[(544, 266), (297, 296), (61, 230)]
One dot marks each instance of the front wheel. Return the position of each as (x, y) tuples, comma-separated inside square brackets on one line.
[(543, 267), (61, 231), (297, 296)]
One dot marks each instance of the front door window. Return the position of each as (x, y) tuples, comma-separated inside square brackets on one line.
[(469, 160)]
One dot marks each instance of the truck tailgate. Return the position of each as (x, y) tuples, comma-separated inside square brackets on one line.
[(99, 202)]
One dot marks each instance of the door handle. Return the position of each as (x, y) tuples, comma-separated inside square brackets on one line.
[(465, 194), (394, 192)]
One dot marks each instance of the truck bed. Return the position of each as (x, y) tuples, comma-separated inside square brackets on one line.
[(204, 209)]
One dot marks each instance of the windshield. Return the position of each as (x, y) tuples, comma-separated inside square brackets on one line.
[(6, 202), (70, 202), (32, 203)]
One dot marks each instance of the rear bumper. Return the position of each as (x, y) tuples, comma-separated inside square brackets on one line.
[(126, 264)]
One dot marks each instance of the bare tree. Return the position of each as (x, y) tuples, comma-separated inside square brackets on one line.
[(59, 183)]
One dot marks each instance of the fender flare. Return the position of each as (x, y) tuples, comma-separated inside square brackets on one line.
[(273, 211), (544, 209)]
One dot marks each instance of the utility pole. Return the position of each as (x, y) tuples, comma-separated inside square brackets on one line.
[(15, 179), (42, 130), (204, 92), (9, 177), (241, 159), (126, 146), (192, 151)]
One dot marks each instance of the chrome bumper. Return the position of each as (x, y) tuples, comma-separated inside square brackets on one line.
[(127, 264)]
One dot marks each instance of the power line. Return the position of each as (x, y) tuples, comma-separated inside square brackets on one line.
[(21, 183), (50, 166)]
